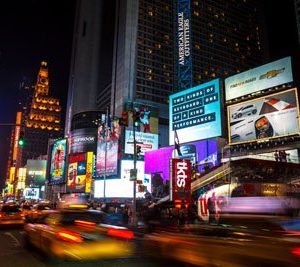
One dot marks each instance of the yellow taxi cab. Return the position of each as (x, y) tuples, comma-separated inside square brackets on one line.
[(11, 214), (38, 211), (77, 233)]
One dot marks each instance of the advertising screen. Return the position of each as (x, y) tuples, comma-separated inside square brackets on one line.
[(201, 152), (80, 172), (83, 140), (196, 113), (180, 186), (31, 193), (184, 58), (264, 118), (146, 141), (107, 150), (36, 171), (123, 188), (58, 162), (146, 117), (266, 76)]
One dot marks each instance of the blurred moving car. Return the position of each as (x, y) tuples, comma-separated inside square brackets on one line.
[(241, 241), (79, 234), (11, 214), (38, 211), (26, 208)]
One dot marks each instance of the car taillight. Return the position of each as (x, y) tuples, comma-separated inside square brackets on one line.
[(296, 251), (22, 214), (1, 214), (83, 223), (69, 236), (120, 233)]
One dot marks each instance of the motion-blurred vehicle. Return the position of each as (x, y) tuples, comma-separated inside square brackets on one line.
[(245, 111), (38, 211), (241, 241), (11, 214), (79, 234), (26, 209)]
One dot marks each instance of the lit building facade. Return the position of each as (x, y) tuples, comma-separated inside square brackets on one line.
[(43, 120)]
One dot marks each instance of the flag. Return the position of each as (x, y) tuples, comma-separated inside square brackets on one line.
[(176, 143)]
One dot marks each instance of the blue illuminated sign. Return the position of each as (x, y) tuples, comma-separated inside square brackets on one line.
[(195, 113), (184, 59)]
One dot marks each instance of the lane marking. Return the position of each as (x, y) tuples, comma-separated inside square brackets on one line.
[(16, 241)]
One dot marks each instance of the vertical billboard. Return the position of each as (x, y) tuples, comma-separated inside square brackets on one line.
[(21, 178), (195, 113), (180, 186), (17, 135), (108, 149), (184, 44), (264, 118), (58, 162), (80, 173), (266, 76)]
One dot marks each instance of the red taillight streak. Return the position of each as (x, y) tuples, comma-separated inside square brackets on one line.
[(296, 251), (69, 236), (120, 233)]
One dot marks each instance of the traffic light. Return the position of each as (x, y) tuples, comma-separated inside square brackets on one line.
[(124, 119), (138, 149), (21, 141)]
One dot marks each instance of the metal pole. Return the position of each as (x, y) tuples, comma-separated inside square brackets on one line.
[(135, 172), (105, 155)]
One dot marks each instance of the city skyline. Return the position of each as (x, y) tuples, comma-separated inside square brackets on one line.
[(53, 29)]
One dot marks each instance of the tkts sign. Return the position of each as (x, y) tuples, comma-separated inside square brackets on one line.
[(180, 186)]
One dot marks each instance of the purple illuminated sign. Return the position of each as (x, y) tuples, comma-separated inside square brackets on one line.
[(201, 152)]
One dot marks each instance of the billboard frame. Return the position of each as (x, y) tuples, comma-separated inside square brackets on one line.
[(266, 138)]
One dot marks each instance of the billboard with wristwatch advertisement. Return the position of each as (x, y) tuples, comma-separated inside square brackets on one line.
[(264, 118)]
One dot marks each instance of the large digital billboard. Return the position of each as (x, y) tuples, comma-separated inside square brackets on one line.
[(83, 140), (264, 118), (145, 119), (200, 152), (146, 141), (36, 171), (123, 187), (107, 150), (80, 173), (58, 162), (195, 113), (266, 76)]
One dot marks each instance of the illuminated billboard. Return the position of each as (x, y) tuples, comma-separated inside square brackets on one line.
[(83, 140), (195, 113), (184, 44), (180, 186), (36, 171), (80, 173), (123, 187), (264, 118), (146, 141), (31, 193), (146, 117), (200, 152), (58, 162), (107, 150), (266, 76)]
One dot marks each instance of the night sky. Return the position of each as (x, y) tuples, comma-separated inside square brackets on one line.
[(35, 30), (32, 31)]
